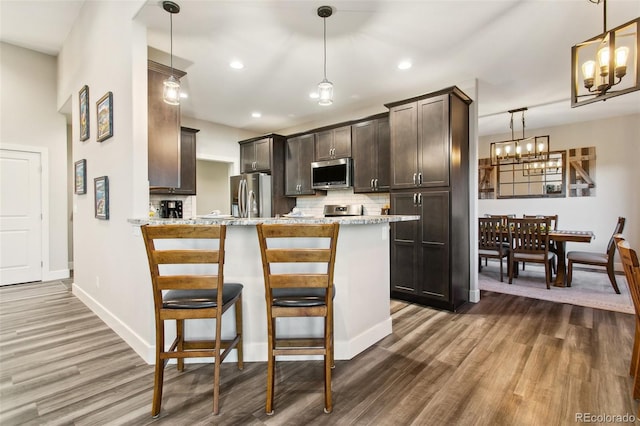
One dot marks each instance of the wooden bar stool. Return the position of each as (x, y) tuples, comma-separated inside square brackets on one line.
[(196, 294), (298, 277)]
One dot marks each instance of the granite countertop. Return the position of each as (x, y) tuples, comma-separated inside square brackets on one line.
[(226, 220)]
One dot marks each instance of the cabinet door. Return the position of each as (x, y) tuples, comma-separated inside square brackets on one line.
[(342, 142), (187, 162), (433, 141), (304, 164), (365, 155), (247, 157), (298, 158), (404, 145), (324, 145), (434, 245), (163, 135), (404, 243), (383, 155), (291, 167), (263, 155)]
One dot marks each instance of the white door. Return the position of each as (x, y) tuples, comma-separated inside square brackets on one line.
[(20, 217)]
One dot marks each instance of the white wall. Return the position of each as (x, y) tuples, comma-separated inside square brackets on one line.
[(617, 142), (106, 50), (30, 118)]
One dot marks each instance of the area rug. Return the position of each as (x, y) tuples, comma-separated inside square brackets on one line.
[(589, 288)]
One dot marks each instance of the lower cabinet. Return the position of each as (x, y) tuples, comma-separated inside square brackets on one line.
[(424, 267)]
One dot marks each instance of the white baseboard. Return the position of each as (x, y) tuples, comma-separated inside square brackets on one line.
[(474, 296), (142, 348)]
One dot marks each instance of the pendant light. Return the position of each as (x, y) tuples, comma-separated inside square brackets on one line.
[(606, 65), (325, 87), (171, 90)]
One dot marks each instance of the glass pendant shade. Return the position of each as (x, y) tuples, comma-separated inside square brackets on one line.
[(325, 92), (171, 91)]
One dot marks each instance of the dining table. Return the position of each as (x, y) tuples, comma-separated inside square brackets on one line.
[(560, 239)]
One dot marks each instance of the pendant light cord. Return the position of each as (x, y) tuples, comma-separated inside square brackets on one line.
[(324, 21), (171, 32)]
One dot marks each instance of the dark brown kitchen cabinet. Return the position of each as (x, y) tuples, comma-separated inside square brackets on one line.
[(371, 151), (266, 154), (187, 165), (163, 131), (255, 155), (430, 178), (420, 153), (299, 156), (420, 250), (333, 143)]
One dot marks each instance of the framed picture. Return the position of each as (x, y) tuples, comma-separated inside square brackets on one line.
[(80, 177), (84, 113), (101, 190), (104, 111)]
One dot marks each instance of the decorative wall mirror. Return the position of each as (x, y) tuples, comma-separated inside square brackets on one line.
[(533, 179)]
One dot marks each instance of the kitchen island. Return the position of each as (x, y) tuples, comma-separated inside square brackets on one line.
[(362, 312)]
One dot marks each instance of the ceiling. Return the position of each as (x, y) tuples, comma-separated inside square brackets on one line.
[(518, 51)]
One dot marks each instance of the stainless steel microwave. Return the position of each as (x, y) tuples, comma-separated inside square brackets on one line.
[(331, 174)]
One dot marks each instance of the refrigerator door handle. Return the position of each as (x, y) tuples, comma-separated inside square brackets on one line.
[(242, 197)]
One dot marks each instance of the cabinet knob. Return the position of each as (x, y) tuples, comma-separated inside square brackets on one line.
[(420, 178)]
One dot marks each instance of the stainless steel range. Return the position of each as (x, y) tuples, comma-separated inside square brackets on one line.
[(342, 210)]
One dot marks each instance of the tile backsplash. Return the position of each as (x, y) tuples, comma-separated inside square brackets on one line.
[(188, 203), (371, 203)]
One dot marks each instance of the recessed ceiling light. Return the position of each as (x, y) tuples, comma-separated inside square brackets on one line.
[(404, 65), (314, 95), (256, 114), (236, 65)]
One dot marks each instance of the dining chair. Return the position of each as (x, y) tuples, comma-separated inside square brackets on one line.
[(491, 241), (298, 262), (529, 242), (597, 259), (552, 246), (188, 284), (631, 267)]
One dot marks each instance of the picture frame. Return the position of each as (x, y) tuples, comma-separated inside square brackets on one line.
[(101, 191), (84, 113), (80, 173), (104, 115)]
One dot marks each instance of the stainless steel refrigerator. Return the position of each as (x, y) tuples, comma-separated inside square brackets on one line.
[(251, 195)]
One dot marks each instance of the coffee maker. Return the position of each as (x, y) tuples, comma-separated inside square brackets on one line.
[(171, 209)]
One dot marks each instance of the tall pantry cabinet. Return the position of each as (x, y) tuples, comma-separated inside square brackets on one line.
[(430, 178)]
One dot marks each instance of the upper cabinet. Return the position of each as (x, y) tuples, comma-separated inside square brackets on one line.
[(371, 151), (333, 143), (420, 143), (255, 155), (266, 154), (163, 131), (298, 159), (187, 165)]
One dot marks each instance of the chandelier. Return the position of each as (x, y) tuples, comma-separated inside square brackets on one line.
[(516, 150), (606, 61)]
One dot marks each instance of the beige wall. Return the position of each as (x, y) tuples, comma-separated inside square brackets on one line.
[(212, 179)]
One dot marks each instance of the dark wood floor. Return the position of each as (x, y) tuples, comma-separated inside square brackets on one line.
[(504, 361)]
